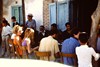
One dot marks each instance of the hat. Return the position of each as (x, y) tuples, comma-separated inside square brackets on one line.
[(30, 15)]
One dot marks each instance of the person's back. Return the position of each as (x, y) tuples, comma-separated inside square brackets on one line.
[(49, 44), (85, 53), (69, 45), (17, 40)]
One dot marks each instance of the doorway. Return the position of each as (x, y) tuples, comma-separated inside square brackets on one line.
[(17, 12)]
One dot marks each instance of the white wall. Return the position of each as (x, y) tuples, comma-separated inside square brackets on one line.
[(7, 9), (31, 6), (36, 8)]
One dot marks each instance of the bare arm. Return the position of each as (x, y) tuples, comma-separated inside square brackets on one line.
[(19, 41), (96, 55), (28, 46)]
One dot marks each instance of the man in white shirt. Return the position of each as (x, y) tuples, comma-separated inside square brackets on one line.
[(85, 53), (49, 44)]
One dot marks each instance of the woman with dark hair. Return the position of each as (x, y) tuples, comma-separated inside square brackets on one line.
[(6, 33)]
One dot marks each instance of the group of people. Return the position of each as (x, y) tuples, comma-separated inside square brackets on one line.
[(26, 39), (22, 37)]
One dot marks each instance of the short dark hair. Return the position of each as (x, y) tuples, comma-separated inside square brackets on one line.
[(13, 17), (42, 26), (67, 24), (5, 22), (75, 31), (52, 32), (83, 37), (54, 25)]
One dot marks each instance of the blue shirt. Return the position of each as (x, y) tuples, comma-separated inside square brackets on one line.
[(31, 24), (98, 44), (68, 46)]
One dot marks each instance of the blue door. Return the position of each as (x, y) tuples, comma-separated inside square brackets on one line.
[(52, 12), (17, 12), (59, 13), (62, 14)]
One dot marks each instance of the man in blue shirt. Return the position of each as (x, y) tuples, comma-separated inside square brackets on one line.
[(31, 23), (69, 45)]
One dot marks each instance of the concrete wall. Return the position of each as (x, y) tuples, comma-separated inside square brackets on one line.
[(36, 8), (46, 15)]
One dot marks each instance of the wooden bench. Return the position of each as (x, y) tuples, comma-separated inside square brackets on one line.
[(39, 54), (69, 56)]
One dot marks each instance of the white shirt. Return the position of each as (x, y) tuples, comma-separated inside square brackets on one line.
[(13, 36), (49, 44), (6, 30), (84, 54)]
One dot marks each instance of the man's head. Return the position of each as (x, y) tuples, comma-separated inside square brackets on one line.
[(68, 26), (42, 28), (83, 38), (53, 33), (13, 18), (5, 23), (29, 17), (53, 26), (75, 32)]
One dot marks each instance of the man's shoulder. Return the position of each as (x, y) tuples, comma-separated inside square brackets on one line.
[(67, 40), (33, 20), (45, 38), (8, 27)]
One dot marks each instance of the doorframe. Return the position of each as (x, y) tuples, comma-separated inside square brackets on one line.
[(16, 6)]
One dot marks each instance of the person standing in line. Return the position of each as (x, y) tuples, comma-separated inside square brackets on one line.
[(85, 53), (43, 32), (13, 19), (67, 33), (59, 32), (69, 45), (31, 23), (6, 34), (28, 40), (17, 41)]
